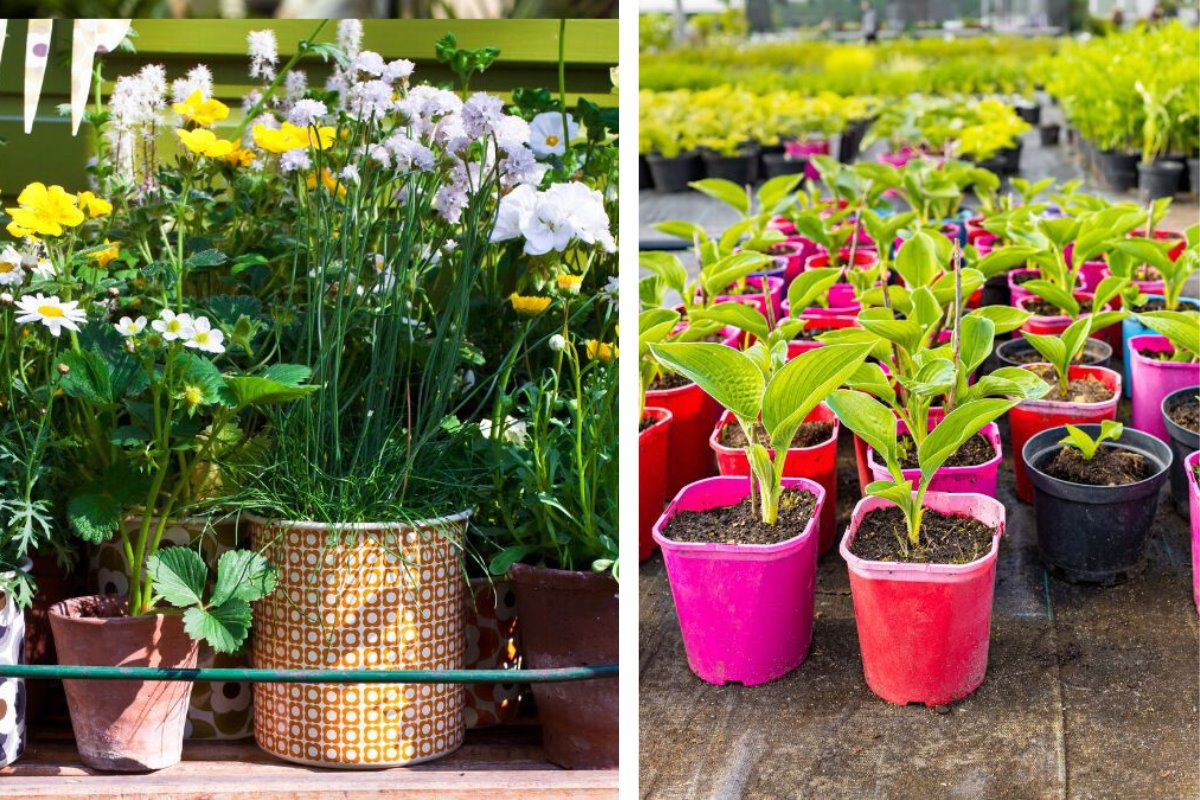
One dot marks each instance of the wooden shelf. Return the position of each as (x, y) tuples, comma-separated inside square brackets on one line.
[(494, 762)]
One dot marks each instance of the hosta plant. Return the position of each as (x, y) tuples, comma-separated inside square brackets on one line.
[(1062, 350), (1085, 444), (1153, 253), (1182, 328)]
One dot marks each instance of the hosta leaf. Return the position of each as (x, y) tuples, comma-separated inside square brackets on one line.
[(955, 429), (742, 316), (728, 376), (870, 419), (802, 383), (727, 192)]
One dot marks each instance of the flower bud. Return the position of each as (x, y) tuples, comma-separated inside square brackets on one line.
[(558, 343), (63, 369)]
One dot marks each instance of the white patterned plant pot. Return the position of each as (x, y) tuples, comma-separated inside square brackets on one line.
[(12, 690), (490, 619), (365, 596), (218, 709)]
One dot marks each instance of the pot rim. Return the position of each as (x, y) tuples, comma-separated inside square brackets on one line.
[(745, 550), (991, 432), (1190, 463), (1047, 441), (1023, 344), (726, 418), (560, 578), (57, 610), (1079, 295), (663, 416), (1184, 434), (898, 571), (1149, 340), (1191, 301), (1033, 405), (309, 525)]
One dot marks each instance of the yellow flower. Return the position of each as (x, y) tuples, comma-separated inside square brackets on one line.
[(107, 254), (328, 181), (241, 157), (200, 111), (94, 206), (290, 137), (569, 284), (602, 350), (45, 211), (205, 143), (17, 232), (528, 306)]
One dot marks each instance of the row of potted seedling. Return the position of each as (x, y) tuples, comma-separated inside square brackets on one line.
[(904, 374)]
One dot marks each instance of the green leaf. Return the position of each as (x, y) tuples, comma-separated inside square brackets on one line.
[(1005, 319), (727, 192), (223, 628), (503, 561), (94, 515), (955, 429), (130, 436), (1074, 339), (243, 575), (727, 375), (810, 285), (1001, 261), (976, 334), (688, 231), (1054, 295), (874, 422), (250, 390), (870, 378), (1081, 441), (718, 276), (903, 332), (1181, 328), (296, 374), (742, 316), (898, 492), (87, 377), (666, 266), (201, 373), (179, 575), (1148, 251), (917, 261), (803, 383), (775, 192), (926, 311), (1050, 348)]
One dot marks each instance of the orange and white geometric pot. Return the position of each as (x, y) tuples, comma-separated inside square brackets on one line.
[(492, 643), (360, 596)]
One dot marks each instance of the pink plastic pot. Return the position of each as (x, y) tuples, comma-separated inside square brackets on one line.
[(746, 611), (791, 255), (693, 413), (984, 243), (1018, 291), (806, 150), (1055, 325), (924, 629), (754, 295), (817, 463), (841, 294), (975, 228), (1033, 416), (1091, 273), (1194, 503), (1153, 380), (951, 480), (653, 456), (817, 312), (783, 225), (798, 346)]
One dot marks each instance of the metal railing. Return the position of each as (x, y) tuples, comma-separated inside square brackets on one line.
[(73, 671)]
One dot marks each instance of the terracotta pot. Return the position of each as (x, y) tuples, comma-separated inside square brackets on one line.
[(490, 624), (360, 596), (217, 709), (124, 726), (569, 619), (13, 706)]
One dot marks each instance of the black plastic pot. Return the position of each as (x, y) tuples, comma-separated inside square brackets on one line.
[(1031, 114), (671, 175), (1185, 178), (1049, 135), (1094, 534), (765, 150), (1120, 170), (850, 141), (1160, 179), (996, 291), (1095, 353), (740, 168), (776, 164), (1183, 443), (645, 180), (1010, 160)]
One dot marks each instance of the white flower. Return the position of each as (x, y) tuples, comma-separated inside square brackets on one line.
[(264, 54), (173, 326), (546, 133), (295, 85), (558, 343), (514, 208), (41, 266), (520, 167), (547, 228), (205, 337), (398, 70), (512, 133), (130, 327), (349, 174), (51, 312), (294, 160), (199, 79), (481, 114), (307, 112), (349, 37), (515, 431), (379, 154), (370, 99), (11, 273), (409, 154), (585, 210), (612, 287), (368, 62)]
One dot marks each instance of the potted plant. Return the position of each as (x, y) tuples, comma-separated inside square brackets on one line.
[(1181, 416), (667, 142), (1158, 176), (1161, 364), (741, 554), (1096, 494), (654, 425), (906, 548)]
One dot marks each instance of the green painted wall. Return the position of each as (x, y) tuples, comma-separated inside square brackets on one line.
[(528, 58)]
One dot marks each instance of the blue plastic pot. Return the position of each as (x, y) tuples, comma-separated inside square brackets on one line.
[(1130, 327)]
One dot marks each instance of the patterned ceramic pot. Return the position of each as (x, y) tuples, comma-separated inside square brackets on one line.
[(218, 709), (360, 596), (490, 623), (12, 690)]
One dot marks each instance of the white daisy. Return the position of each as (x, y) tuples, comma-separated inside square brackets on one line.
[(546, 134), (51, 312), (130, 327), (11, 273), (205, 337), (173, 326)]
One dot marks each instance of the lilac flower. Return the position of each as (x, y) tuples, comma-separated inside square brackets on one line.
[(368, 62), (399, 70), (306, 112), (264, 54), (349, 37), (294, 160), (481, 114), (371, 99), (295, 85)]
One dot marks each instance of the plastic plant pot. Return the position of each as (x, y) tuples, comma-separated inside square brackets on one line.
[(1190, 465), (980, 479), (1016, 290), (739, 168), (995, 292), (975, 228), (798, 346), (954, 231), (1054, 325), (1008, 354), (672, 175), (653, 457), (746, 611), (783, 225), (817, 463), (924, 628), (1030, 417), (1130, 327), (693, 414), (1094, 534), (790, 255), (984, 242), (841, 294), (754, 295), (1183, 442), (1166, 236), (1153, 380), (1091, 273)]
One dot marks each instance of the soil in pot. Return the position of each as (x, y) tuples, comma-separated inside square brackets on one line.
[(1034, 357), (1040, 308), (945, 538), (742, 523), (1156, 355), (810, 434), (1025, 277), (1110, 466), (1186, 414), (1079, 390), (977, 450), (1153, 304), (668, 380)]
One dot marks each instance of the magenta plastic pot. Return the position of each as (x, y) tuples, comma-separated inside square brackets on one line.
[(924, 628), (1194, 500), (981, 478), (746, 611), (1017, 290), (1153, 380), (791, 255), (1091, 273)]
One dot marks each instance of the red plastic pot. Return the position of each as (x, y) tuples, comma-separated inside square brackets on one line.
[(818, 323), (1166, 235), (783, 225), (1033, 416), (924, 629), (693, 414), (817, 463), (983, 242), (1153, 380), (653, 458), (975, 228), (745, 610), (978, 479), (1194, 502)]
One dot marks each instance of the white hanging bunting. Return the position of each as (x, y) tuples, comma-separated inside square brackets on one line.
[(37, 52), (91, 36)]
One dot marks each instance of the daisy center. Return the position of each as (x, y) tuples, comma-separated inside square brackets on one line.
[(6, 268), (50, 311)]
